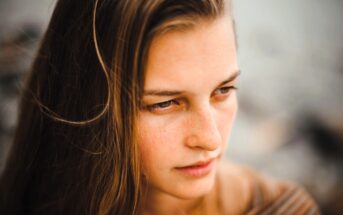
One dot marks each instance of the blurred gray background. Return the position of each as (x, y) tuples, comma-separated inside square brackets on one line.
[(290, 123)]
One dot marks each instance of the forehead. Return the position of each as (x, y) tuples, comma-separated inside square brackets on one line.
[(202, 54)]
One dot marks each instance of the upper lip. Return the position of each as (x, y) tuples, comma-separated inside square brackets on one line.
[(198, 163)]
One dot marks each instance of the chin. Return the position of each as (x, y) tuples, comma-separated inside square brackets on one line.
[(194, 188)]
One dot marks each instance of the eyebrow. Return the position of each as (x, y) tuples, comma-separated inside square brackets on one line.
[(176, 92)]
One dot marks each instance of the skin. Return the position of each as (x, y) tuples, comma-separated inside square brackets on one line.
[(189, 105)]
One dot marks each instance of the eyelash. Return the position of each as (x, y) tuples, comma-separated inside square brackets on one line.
[(162, 105), (227, 89), (166, 104)]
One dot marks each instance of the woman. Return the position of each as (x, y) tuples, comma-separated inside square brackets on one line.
[(127, 110)]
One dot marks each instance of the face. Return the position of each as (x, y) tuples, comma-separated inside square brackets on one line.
[(189, 105)]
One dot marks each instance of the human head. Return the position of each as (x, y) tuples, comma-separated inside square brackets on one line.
[(88, 79), (189, 105)]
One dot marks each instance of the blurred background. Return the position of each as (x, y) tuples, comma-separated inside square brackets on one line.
[(290, 123)]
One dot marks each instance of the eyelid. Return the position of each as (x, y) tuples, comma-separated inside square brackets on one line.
[(160, 110), (168, 103), (229, 87), (177, 103)]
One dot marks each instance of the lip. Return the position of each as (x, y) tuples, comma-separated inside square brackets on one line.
[(197, 169)]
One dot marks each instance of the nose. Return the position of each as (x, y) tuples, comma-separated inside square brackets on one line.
[(203, 131)]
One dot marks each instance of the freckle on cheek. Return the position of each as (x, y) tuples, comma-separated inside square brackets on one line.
[(189, 123)]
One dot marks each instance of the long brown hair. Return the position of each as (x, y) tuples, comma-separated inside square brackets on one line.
[(74, 150)]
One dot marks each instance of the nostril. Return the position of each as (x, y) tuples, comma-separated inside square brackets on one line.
[(192, 141), (206, 141), (203, 131)]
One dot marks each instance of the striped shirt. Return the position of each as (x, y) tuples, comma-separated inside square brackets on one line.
[(240, 190)]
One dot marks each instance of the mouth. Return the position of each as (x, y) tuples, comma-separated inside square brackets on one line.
[(197, 169)]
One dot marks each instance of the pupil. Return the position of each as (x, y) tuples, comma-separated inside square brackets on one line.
[(165, 104)]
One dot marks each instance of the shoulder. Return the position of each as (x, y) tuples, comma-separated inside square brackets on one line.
[(244, 191)]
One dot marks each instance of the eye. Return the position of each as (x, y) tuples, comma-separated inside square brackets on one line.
[(163, 107), (223, 92)]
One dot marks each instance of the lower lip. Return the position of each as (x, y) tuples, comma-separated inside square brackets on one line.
[(197, 171)]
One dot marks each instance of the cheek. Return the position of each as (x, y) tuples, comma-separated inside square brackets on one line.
[(156, 141), (226, 118)]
